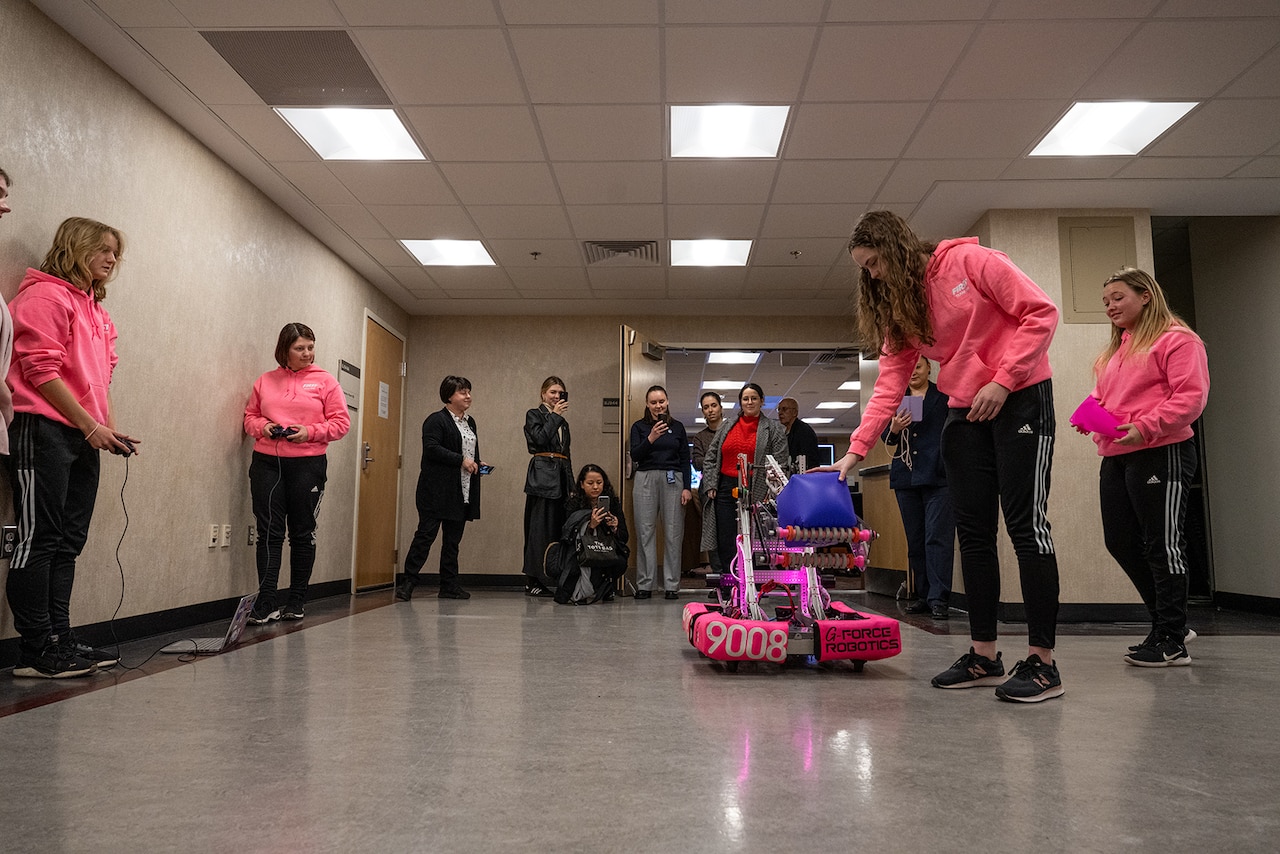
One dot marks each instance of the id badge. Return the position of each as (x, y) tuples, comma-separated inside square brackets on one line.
[(671, 477)]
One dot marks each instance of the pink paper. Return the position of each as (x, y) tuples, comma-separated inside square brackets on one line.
[(1090, 415)]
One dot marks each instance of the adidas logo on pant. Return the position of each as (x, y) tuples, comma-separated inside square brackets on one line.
[(1025, 428), (1153, 480)]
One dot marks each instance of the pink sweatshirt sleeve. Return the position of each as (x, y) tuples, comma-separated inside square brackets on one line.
[(336, 421), (895, 374), (1037, 316), (40, 339), (1186, 369), (254, 421)]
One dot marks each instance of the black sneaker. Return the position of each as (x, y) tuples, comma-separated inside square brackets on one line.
[(453, 593), (1188, 635), (643, 594), (1165, 652), (917, 606), (971, 671), (671, 594), (292, 612), (405, 591), (260, 618), (100, 657), (1032, 681), (54, 662)]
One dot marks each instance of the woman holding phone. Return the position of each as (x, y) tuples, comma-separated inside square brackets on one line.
[(548, 483), (594, 506), (663, 484)]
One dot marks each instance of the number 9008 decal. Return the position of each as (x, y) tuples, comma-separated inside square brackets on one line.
[(745, 640)]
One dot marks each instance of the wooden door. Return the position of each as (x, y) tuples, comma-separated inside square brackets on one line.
[(643, 365), (380, 445)]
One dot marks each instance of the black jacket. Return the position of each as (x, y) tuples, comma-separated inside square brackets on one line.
[(440, 481), (926, 446), (801, 440), (546, 432)]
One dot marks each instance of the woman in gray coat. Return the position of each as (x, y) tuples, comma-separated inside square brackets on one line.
[(751, 433)]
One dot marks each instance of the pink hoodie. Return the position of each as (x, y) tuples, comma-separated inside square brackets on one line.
[(1160, 392), (310, 397), (990, 322), (60, 332)]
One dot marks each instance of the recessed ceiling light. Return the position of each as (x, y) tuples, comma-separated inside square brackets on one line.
[(727, 130), (1110, 128), (818, 420), (733, 358), (721, 385), (835, 404), (349, 133), (449, 253), (851, 385), (710, 253)]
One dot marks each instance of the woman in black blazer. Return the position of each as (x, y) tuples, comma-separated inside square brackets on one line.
[(549, 482), (448, 488)]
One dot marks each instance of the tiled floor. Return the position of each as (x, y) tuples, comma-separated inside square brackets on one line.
[(510, 723)]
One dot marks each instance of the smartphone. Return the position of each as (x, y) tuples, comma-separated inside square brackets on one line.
[(485, 469), (602, 501), (564, 395)]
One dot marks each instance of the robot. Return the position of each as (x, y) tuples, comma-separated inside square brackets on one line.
[(778, 559)]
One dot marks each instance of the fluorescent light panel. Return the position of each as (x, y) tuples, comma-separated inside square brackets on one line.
[(710, 253), (733, 358), (727, 130), (449, 253), (1110, 128), (818, 420), (722, 385), (350, 133), (851, 385), (835, 404)]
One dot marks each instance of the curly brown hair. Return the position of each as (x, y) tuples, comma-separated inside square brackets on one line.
[(892, 310), (75, 243)]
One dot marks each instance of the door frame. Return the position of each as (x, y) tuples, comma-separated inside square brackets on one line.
[(368, 315)]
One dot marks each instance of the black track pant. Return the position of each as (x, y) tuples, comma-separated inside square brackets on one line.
[(1004, 464), (286, 493)]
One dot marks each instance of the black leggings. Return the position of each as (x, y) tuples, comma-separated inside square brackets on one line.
[(286, 493), (1004, 464)]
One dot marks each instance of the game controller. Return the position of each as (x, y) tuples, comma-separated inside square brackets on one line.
[(127, 444), (280, 432)]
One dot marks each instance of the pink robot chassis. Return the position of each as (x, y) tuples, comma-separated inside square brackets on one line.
[(782, 563)]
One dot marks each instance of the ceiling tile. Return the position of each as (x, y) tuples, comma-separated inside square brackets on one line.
[(1066, 168), (1033, 59), (542, 12), (425, 222), (1223, 128), (912, 179), (841, 131), (1180, 168), (1220, 8), (255, 13), (392, 183), (1073, 10), (835, 181), (692, 280), (465, 279), (265, 131), (819, 252), (983, 129), (613, 183), (802, 220), (621, 132), (551, 253), (501, 183), (736, 64), (1260, 81), (476, 133), (398, 13), (389, 253), (355, 220), (521, 221), (316, 182), (1259, 167), (1182, 60), (637, 280), (448, 66), (586, 65), (415, 278), (744, 11), (564, 279), (869, 62), (726, 222), (142, 13), (617, 222), (867, 11), (194, 63), (720, 181)]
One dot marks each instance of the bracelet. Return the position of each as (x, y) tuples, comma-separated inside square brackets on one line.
[(91, 432)]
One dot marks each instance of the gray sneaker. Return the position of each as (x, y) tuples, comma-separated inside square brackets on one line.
[(971, 671)]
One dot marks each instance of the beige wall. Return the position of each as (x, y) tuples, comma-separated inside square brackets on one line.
[(212, 271), (1236, 269), (506, 359)]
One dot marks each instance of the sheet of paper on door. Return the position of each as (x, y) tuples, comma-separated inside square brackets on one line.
[(384, 400)]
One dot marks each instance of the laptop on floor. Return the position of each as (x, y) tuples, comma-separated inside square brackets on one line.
[(213, 646)]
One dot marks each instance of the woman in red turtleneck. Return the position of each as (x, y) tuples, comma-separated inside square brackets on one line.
[(749, 433)]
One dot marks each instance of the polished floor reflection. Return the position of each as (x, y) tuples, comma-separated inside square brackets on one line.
[(511, 723)]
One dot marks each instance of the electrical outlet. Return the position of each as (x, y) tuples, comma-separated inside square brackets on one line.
[(226, 536), (8, 541), (215, 535), (253, 535)]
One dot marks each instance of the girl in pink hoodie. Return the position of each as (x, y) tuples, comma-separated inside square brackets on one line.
[(63, 357), (1154, 377), (989, 327)]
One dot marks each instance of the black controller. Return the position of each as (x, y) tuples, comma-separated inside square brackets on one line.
[(279, 432), (127, 444)]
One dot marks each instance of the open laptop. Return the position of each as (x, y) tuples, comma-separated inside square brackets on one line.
[(213, 646)]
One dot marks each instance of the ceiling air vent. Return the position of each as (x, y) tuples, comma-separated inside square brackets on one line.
[(837, 357), (300, 68), (621, 253)]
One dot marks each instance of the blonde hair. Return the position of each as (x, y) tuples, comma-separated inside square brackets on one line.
[(892, 310), (74, 245), (1155, 320)]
